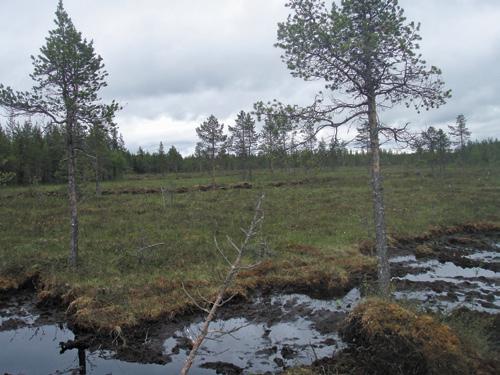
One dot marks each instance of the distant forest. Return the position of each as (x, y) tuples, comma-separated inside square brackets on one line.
[(31, 154)]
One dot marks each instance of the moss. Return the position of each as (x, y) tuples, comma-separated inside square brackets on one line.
[(479, 332)]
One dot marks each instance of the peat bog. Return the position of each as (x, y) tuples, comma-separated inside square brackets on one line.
[(270, 332)]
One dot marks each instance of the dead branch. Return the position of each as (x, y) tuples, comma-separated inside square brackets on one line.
[(233, 271), (150, 246)]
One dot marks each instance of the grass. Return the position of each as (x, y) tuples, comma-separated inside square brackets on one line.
[(312, 230)]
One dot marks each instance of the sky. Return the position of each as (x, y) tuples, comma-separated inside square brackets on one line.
[(172, 63)]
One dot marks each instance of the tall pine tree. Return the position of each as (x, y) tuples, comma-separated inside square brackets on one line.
[(68, 76), (366, 52)]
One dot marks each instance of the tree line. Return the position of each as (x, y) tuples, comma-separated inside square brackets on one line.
[(280, 145), (31, 153)]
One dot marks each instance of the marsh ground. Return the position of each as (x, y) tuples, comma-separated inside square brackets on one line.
[(314, 223)]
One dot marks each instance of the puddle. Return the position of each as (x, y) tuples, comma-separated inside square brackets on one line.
[(444, 285), (448, 272), (259, 348), (445, 302), (279, 331), (403, 259), (485, 256), (35, 350), (293, 334), (267, 334)]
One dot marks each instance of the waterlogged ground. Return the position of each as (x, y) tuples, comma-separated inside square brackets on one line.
[(265, 335), (447, 275), (272, 332)]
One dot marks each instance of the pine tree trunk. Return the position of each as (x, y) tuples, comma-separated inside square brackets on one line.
[(378, 203), (72, 195), (213, 154), (98, 191), (247, 168), (213, 172)]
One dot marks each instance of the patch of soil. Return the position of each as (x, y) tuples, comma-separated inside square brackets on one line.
[(138, 191), (267, 351), (305, 181), (287, 352)]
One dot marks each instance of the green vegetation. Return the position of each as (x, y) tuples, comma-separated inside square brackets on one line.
[(29, 155), (313, 225)]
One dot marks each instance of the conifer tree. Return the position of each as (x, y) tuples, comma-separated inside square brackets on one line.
[(68, 75), (212, 141), (460, 134), (366, 53), (243, 139)]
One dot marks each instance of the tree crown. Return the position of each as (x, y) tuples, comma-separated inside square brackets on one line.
[(211, 134), (363, 48), (68, 75), (243, 137)]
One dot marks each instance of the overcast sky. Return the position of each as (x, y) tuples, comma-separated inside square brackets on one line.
[(172, 63)]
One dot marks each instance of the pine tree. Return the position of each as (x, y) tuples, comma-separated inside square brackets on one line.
[(365, 51), (162, 159), (460, 133), (269, 141), (243, 139), (212, 141), (436, 143), (276, 136), (68, 75)]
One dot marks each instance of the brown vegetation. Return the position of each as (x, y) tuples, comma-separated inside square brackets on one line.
[(387, 338)]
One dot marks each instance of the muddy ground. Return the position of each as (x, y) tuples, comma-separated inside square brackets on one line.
[(279, 329)]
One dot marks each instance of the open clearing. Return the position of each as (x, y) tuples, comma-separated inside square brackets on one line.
[(314, 224)]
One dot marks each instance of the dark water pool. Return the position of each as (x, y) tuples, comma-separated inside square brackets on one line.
[(292, 335)]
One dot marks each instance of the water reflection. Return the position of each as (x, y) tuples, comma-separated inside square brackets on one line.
[(259, 346)]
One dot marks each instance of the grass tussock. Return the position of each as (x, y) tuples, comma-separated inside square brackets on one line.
[(390, 339)]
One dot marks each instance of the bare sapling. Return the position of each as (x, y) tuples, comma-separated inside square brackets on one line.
[(221, 299)]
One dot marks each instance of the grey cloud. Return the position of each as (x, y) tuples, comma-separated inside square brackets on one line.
[(183, 60)]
